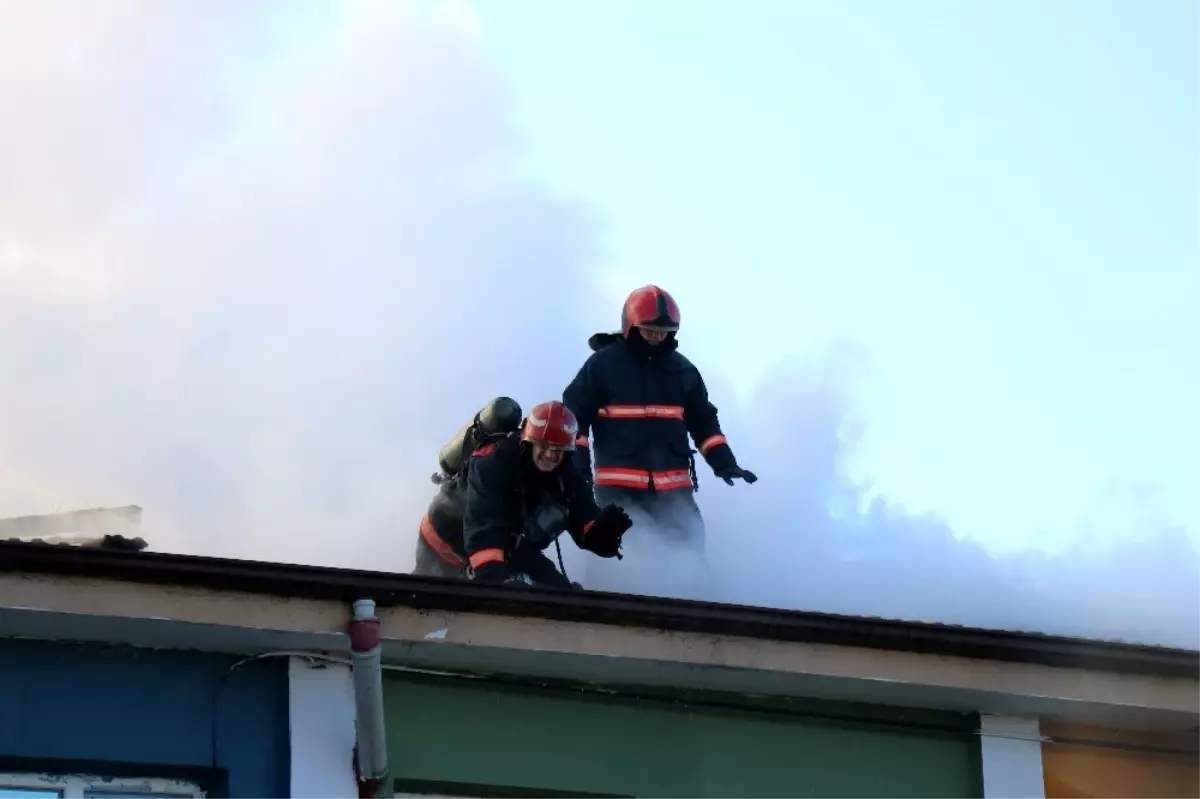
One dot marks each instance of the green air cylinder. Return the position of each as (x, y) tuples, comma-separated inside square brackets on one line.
[(499, 417)]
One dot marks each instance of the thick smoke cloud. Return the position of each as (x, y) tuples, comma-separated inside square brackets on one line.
[(257, 261), (825, 542), (807, 536), (258, 266)]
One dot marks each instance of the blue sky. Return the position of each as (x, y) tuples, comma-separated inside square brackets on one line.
[(999, 201)]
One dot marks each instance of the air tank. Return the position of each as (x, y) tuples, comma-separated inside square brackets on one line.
[(499, 417)]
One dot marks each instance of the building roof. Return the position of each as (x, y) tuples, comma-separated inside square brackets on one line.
[(671, 615), (107, 528)]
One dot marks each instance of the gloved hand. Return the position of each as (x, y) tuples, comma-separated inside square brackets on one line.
[(492, 573), (604, 536), (499, 574), (727, 473)]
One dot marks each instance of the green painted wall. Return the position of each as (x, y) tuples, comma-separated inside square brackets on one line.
[(468, 731)]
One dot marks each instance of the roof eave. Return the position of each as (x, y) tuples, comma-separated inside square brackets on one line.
[(314, 582)]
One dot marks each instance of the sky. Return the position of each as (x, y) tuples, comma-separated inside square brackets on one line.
[(998, 200), (939, 263)]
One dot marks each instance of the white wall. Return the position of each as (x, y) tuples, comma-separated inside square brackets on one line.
[(1011, 750), (322, 730)]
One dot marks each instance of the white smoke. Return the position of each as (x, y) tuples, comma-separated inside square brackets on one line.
[(826, 543), (258, 261), (258, 264)]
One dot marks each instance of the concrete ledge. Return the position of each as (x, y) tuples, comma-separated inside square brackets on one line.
[(423, 593), (764, 667), (90, 609)]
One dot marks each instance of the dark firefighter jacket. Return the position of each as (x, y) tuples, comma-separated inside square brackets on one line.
[(502, 509), (640, 403)]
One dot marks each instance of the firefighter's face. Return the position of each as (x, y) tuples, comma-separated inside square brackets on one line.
[(653, 336), (545, 458)]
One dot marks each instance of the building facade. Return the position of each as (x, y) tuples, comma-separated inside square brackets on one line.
[(186, 720), (594, 742), (154, 674)]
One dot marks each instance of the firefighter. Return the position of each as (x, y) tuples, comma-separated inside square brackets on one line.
[(515, 495), (639, 399)]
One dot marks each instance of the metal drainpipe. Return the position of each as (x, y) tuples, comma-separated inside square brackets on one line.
[(370, 748)]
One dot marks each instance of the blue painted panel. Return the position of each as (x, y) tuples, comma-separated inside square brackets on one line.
[(119, 703)]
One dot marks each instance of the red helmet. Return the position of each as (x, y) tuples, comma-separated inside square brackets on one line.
[(652, 308), (553, 424)]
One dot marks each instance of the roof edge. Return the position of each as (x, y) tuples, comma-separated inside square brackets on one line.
[(423, 593)]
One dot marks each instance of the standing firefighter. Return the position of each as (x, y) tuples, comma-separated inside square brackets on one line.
[(506, 502), (640, 399)]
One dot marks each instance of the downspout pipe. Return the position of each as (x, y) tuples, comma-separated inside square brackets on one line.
[(370, 748)]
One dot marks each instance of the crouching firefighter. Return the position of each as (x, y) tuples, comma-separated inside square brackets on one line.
[(640, 399), (508, 496)]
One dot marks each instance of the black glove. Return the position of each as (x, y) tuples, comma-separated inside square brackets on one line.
[(499, 574), (604, 536), (492, 573), (727, 473)]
